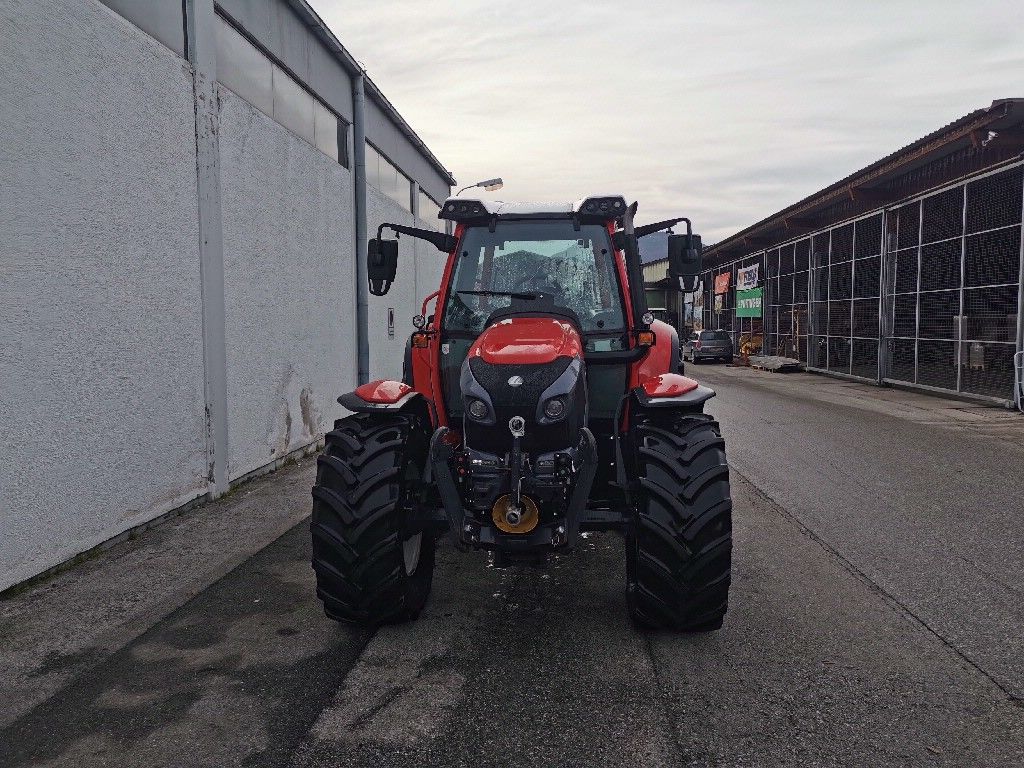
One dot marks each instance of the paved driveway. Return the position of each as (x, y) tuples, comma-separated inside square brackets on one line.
[(201, 644)]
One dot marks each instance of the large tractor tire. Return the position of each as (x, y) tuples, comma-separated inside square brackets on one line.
[(679, 548), (371, 569)]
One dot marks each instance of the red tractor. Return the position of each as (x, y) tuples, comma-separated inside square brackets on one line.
[(540, 400)]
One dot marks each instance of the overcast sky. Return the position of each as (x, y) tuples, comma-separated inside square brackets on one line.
[(723, 111)]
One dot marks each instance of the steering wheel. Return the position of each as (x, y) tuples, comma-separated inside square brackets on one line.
[(536, 284)]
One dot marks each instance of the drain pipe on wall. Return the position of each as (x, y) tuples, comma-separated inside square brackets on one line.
[(362, 289)]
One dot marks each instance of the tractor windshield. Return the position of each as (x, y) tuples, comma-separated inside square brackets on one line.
[(521, 261)]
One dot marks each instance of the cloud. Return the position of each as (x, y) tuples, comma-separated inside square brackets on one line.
[(727, 111)]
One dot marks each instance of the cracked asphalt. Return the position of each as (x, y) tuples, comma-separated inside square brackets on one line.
[(875, 620)]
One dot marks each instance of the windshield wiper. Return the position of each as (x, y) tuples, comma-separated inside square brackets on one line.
[(509, 294)]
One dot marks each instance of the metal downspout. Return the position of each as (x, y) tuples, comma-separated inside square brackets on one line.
[(362, 288)]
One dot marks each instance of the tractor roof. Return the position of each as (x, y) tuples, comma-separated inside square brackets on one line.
[(601, 206)]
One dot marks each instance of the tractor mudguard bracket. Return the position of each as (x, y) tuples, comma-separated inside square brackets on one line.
[(581, 488), (440, 472)]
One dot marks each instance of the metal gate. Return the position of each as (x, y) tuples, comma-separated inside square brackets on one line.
[(952, 278)]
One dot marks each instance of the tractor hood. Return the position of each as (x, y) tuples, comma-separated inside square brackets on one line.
[(527, 341)]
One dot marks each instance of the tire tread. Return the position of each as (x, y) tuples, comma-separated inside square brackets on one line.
[(681, 542), (356, 525)]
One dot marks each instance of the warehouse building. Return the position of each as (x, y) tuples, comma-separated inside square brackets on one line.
[(906, 272), (187, 186)]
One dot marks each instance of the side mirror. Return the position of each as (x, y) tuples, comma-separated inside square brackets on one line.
[(684, 261), (381, 265)]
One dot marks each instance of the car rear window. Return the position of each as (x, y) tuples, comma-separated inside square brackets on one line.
[(714, 336)]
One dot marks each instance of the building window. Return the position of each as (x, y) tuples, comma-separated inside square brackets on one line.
[(428, 211), (293, 106), (382, 175), (250, 73), (243, 68)]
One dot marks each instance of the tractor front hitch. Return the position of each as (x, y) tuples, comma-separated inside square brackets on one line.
[(470, 532)]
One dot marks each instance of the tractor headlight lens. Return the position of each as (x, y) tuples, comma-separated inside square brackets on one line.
[(554, 408), (478, 409)]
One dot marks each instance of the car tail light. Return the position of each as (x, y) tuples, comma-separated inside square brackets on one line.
[(645, 338), (421, 340), (696, 344)]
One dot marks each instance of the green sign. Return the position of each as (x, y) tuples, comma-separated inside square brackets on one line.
[(748, 303)]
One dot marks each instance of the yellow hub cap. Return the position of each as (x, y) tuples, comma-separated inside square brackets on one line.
[(529, 516)]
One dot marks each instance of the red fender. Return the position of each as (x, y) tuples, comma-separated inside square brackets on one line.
[(383, 391), (671, 390), (668, 385), (379, 395)]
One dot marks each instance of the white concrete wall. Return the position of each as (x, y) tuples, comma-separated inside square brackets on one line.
[(101, 388), (429, 269), (289, 280), (386, 354), (420, 265), (102, 406)]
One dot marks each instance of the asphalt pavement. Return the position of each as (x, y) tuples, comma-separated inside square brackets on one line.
[(924, 496), (874, 621)]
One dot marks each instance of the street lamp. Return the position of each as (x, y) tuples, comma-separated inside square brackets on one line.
[(489, 185)]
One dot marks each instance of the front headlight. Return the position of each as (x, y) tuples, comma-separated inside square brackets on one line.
[(554, 408), (477, 409)]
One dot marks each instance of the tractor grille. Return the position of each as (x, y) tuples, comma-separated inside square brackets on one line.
[(536, 378), (522, 401)]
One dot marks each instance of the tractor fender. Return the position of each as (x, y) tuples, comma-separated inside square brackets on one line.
[(671, 390), (663, 357), (383, 395)]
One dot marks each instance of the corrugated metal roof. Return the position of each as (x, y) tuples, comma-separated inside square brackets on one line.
[(931, 146)]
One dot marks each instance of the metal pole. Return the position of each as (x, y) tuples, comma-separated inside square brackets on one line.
[(917, 296), (201, 26), (362, 287), (959, 344), (1018, 396), (884, 329)]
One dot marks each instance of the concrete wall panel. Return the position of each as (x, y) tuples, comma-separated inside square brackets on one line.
[(386, 354), (420, 265), (429, 267), (101, 388), (290, 286)]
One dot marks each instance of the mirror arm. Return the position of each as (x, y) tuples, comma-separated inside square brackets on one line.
[(649, 229), (442, 241)]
